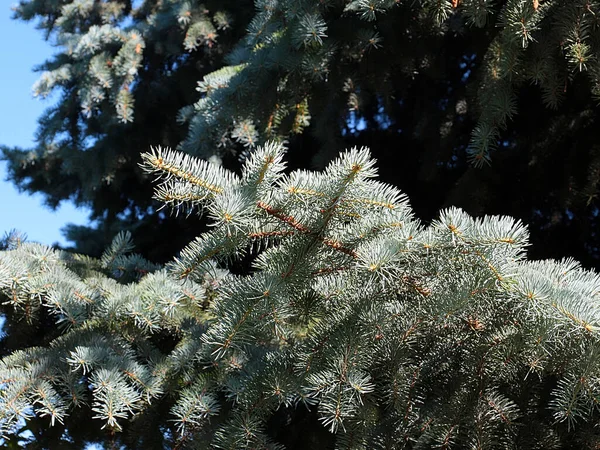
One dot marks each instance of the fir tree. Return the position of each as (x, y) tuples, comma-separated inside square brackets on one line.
[(394, 334), (122, 71), (433, 84)]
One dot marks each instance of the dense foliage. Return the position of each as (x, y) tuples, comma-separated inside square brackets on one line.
[(121, 74), (428, 85), (310, 309), (394, 334)]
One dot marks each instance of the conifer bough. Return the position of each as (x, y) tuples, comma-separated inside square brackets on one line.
[(444, 78), (396, 334)]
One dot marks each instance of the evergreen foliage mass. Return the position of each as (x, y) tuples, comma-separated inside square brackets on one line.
[(433, 87), (121, 72), (314, 294)]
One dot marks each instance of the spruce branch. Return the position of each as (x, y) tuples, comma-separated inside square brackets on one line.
[(390, 330)]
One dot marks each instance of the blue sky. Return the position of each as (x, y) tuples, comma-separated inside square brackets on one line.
[(21, 48)]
